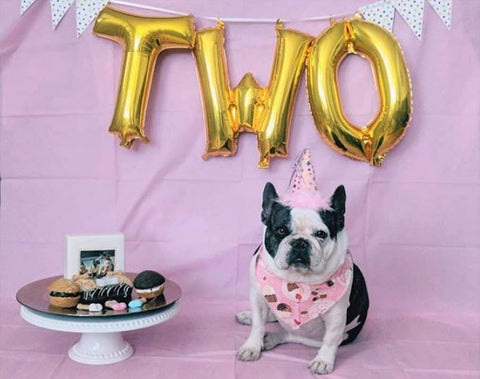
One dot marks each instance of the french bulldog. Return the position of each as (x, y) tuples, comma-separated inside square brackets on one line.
[(302, 276)]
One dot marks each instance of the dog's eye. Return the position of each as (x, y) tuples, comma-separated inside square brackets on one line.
[(281, 231), (321, 234)]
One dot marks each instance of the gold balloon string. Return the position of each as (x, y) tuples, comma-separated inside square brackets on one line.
[(240, 20)]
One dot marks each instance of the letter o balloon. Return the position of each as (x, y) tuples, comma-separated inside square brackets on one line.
[(371, 142)]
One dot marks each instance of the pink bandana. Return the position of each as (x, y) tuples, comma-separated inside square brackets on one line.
[(298, 303)]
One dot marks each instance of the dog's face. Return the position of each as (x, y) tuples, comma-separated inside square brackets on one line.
[(298, 239)]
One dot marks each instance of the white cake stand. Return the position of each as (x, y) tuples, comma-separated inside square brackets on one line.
[(101, 342)]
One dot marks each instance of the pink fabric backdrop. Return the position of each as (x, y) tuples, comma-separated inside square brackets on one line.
[(413, 223)]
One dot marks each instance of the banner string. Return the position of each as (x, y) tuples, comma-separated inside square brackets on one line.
[(232, 19)]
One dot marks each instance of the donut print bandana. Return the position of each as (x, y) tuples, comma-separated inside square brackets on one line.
[(298, 303)]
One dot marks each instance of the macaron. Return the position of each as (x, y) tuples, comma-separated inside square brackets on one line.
[(137, 303), (149, 284), (64, 293)]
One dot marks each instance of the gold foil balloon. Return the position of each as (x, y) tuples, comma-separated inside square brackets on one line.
[(143, 39), (265, 111), (371, 142)]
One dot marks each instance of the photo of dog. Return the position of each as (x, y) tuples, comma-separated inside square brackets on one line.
[(303, 275)]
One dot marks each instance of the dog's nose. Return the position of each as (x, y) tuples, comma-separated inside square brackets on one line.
[(300, 244), (299, 256)]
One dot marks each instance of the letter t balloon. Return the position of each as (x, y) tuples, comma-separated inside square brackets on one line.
[(143, 39)]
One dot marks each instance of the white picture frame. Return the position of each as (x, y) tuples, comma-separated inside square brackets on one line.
[(94, 253)]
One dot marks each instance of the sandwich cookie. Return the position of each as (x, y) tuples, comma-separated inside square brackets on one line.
[(149, 284), (64, 293)]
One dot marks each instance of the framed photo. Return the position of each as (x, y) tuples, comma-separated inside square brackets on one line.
[(94, 254)]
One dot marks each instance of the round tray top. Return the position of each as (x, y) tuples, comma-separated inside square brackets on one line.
[(35, 297)]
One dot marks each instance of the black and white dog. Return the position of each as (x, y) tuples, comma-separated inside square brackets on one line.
[(303, 277)]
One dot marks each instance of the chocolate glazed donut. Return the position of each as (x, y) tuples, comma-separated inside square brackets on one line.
[(119, 292)]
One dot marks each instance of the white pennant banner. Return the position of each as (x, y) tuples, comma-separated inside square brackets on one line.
[(59, 8), (381, 12), (412, 12), (87, 11), (25, 4), (444, 10)]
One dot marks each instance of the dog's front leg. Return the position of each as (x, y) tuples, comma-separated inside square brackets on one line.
[(334, 320), (250, 350)]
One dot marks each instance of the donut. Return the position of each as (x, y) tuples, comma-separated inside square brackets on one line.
[(64, 293), (84, 282), (87, 283), (149, 284), (122, 293), (120, 275)]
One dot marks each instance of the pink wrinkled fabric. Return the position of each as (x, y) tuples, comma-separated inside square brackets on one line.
[(412, 223)]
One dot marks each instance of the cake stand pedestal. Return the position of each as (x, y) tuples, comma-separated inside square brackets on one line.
[(101, 341)]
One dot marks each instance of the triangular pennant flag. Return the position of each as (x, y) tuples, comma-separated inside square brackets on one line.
[(59, 8), (25, 5), (87, 11), (444, 10), (381, 12), (412, 12)]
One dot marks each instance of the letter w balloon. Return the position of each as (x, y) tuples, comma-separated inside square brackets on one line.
[(265, 111)]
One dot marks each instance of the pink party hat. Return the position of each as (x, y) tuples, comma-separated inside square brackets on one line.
[(303, 192)]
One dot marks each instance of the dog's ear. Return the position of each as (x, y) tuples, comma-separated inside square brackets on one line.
[(269, 196), (337, 201)]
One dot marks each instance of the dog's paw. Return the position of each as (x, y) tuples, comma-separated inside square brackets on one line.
[(244, 318), (270, 340), (248, 353), (320, 367)]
